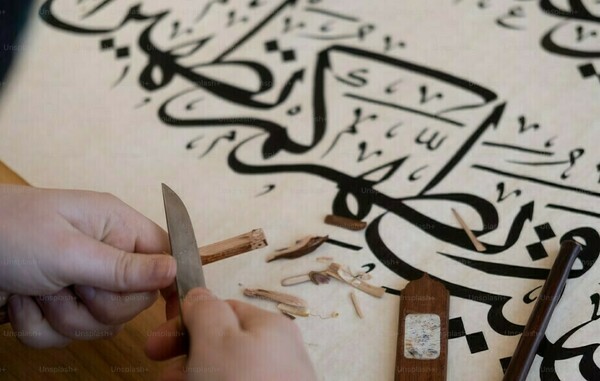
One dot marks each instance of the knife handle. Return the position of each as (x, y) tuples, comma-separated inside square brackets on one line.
[(4, 314)]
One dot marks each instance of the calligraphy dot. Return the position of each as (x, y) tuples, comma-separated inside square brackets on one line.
[(106, 44), (587, 70), (271, 46), (288, 55), (122, 52), (294, 110)]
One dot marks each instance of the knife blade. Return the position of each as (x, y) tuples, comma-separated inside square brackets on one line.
[(183, 244)]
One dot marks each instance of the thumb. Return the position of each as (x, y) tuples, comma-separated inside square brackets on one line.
[(206, 317), (100, 265)]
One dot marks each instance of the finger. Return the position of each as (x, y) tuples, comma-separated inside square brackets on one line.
[(252, 318), (29, 324), (175, 371), (114, 308), (206, 317), (166, 341), (73, 319), (97, 264), (108, 219)]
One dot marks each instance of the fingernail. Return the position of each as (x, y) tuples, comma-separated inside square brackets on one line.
[(15, 303), (85, 292), (173, 267)]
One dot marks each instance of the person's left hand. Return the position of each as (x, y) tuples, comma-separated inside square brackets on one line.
[(76, 264)]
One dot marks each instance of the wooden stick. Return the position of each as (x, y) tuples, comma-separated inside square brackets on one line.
[(345, 222), (478, 245), (542, 311), (356, 305), (231, 247)]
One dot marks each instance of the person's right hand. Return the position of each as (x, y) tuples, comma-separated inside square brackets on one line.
[(229, 341)]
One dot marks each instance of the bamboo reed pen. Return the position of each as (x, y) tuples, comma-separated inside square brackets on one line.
[(542, 311)]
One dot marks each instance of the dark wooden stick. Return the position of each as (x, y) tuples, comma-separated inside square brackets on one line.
[(542, 311), (345, 222)]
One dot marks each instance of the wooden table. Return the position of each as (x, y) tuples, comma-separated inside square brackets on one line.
[(119, 358)]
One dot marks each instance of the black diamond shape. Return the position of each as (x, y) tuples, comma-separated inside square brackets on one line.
[(288, 55), (544, 231), (537, 251), (477, 342), (271, 46), (456, 328), (122, 52), (504, 363), (107, 44), (587, 70)]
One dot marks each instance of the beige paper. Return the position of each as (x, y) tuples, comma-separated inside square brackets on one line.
[(274, 114)]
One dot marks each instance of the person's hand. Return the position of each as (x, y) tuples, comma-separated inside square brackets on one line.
[(71, 264), (229, 341)]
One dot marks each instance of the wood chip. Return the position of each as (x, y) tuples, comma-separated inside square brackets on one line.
[(357, 308), (296, 279), (478, 245), (345, 222), (292, 317), (275, 296), (302, 247), (298, 311), (318, 277), (337, 271), (231, 247), (325, 259)]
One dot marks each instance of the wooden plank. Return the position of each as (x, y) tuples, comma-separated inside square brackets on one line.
[(422, 349), (8, 176)]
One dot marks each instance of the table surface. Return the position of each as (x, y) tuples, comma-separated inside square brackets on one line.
[(118, 358)]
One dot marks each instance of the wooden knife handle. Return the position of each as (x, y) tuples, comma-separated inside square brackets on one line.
[(4, 314)]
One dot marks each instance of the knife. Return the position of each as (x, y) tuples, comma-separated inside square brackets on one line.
[(183, 245)]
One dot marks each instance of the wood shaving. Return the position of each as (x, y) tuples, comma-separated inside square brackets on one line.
[(357, 308), (292, 317), (318, 277), (291, 310), (301, 248), (325, 259), (276, 297), (332, 315), (296, 279), (340, 272), (478, 245)]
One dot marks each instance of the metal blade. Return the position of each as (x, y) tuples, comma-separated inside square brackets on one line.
[(183, 244)]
